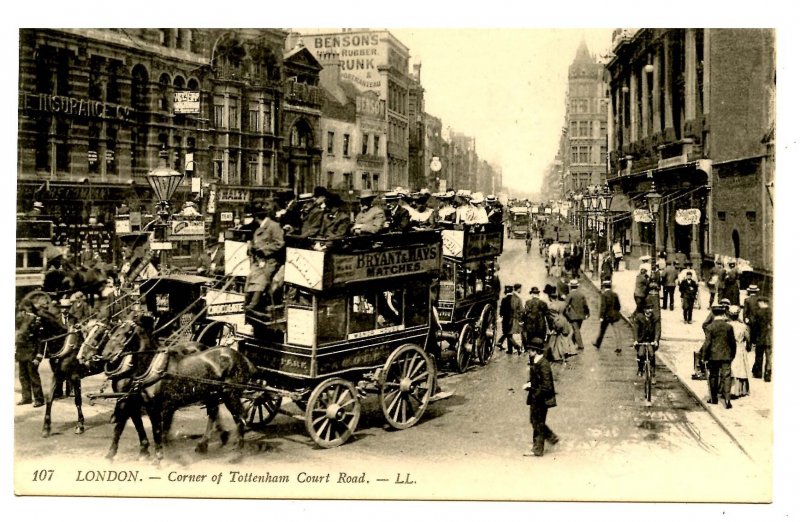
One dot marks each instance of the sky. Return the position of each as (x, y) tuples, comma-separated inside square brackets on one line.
[(506, 87)]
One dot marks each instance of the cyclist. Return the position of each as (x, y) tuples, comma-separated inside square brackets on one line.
[(646, 329)]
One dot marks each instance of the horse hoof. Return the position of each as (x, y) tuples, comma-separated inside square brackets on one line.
[(46, 432), (79, 430), (110, 455), (225, 437), (202, 448)]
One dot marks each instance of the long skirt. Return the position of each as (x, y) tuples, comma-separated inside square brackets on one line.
[(559, 345)]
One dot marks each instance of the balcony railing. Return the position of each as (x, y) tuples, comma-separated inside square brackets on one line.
[(301, 93)]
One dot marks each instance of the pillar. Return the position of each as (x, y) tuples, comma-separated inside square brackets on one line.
[(656, 128), (645, 125), (670, 229), (691, 76), (667, 81), (634, 100)]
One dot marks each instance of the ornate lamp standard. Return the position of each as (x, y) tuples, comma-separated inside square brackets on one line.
[(164, 181), (653, 203)]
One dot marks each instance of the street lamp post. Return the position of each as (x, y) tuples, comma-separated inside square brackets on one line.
[(164, 181), (653, 203)]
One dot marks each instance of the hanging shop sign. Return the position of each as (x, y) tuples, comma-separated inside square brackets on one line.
[(687, 216), (642, 215)]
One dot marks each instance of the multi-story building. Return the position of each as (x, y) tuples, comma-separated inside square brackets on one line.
[(419, 175), (434, 148), (693, 114), (464, 162), (585, 144), (97, 107), (375, 61)]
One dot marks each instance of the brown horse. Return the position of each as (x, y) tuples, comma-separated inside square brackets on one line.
[(183, 375)]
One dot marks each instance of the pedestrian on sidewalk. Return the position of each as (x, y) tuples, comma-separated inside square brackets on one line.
[(576, 311), (760, 322), (541, 397), (609, 315), (688, 290), (740, 368), (714, 281), (718, 350), (617, 250), (731, 290), (562, 287), (28, 356), (607, 269), (640, 288), (669, 281), (723, 303)]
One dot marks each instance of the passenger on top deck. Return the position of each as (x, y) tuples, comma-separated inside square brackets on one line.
[(268, 242), (312, 223), (336, 222), (397, 218), (447, 209), (422, 217), (371, 218)]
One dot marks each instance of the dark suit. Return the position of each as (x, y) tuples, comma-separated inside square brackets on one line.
[(534, 320), (760, 322), (646, 330), (508, 311), (640, 290), (399, 220), (541, 397), (718, 351), (576, 310), (312, 223), (669, 279), (335, 225), (688, 289), (609, 313), (28, 355)]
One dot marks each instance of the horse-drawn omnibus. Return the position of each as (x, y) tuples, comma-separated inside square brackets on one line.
[(34, 245), (469, 291), (356, 320)]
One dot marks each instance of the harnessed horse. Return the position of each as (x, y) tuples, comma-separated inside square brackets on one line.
[(164, 381)]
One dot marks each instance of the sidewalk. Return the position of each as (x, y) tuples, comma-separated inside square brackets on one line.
[(749, 422)]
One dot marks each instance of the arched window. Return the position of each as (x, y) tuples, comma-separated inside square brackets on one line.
[(300, 135), (163, 98), (192, 84), (139, 79), (178, 82)]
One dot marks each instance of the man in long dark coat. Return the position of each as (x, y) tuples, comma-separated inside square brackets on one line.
[(576, 310), (718, 351), (541, 397), (609, 313), (534, 318)]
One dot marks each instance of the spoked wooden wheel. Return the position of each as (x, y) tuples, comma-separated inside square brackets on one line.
[(260, 407), (465, 348), (216, 333), (36, 297), (406, 386), (486, 335), (332, 413), (648, 379)]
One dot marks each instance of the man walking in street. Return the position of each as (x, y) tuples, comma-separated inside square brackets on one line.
[(576, 310), (718, 351), (541, 397), (669, 280), (517, 308), (534, 318), (640, 288), (507, 321), (609, 314), (688, 289)]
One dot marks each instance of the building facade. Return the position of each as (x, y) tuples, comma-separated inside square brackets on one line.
[(584, 136), (97, 106), (693, 116), (375, 61)]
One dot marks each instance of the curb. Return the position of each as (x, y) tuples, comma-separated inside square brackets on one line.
[(682, 380)]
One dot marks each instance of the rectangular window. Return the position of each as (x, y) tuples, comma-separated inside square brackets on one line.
[(573, 129), (331, 320), (233, 168), (375, 181), (721, 216), (252, 170), (751, 216), (584, 154), (585, 128), (252, 118), (365, 144), (233, 113), (365, 180), (331, 137), (574, 154), (330, 179), (219, 106), (268, 119), (348, 180), (377, 145), (346, 145)]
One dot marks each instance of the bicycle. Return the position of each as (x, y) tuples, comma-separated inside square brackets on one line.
[(647, 371)]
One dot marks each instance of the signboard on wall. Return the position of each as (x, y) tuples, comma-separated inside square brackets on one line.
[(186, 102), (360, 53), (642, 215)]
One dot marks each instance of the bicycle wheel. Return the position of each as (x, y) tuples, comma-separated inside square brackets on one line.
[(648, 380)]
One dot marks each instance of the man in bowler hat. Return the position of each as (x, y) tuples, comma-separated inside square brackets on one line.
[(541, 397)]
